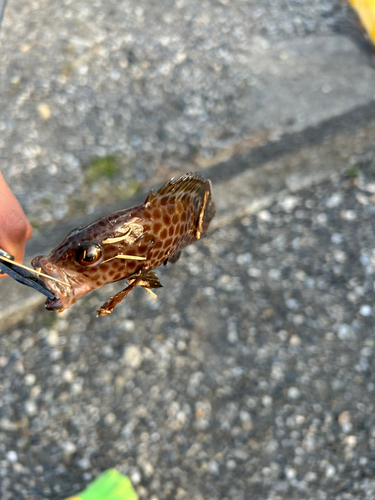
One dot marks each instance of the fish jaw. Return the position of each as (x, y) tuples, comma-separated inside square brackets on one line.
[(68, 292)]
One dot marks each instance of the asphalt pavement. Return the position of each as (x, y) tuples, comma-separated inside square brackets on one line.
[(251, 375)]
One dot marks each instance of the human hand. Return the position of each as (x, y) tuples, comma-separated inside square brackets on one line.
[(15, 229)]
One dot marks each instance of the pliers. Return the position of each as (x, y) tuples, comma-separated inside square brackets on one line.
[(18, 273)]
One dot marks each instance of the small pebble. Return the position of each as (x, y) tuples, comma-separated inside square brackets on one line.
[(294, 393), (31, 408), (334, 200), (68, 376), (330, 471), (291, 304), (232, 336), (365, 310), (264, 215), (12, 456), (345, 332), (295, 340), (133, 356), (3, 361), (321, 219), (337, 238), (289, 203), (135, 477), (290, 473), (274, 274), (350, 441), (348, 215), (231, 464), (344, 420), (110, 419), (69, 448), (267, 401), (244, 258), (53, 338), (44, 111), (30, 379), (84, 463), (213, 468), (364, 259), (128, 325), (310, 477)]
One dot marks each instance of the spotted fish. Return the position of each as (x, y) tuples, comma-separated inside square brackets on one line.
[(128, 244)]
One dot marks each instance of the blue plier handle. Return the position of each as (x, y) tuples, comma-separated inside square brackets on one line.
[(13, 270)]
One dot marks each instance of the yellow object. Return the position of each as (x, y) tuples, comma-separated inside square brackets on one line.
[(366, 12)]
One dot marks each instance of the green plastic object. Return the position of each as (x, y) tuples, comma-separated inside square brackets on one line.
[(111, 485)]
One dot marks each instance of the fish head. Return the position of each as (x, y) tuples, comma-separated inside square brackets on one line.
[(73, 266), (86, 259)]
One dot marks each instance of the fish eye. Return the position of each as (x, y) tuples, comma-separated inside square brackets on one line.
[(88, 255)]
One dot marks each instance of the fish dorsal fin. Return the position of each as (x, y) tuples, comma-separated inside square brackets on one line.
[(186, 186), (150, 198)]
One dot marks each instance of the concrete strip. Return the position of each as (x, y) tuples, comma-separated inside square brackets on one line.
[(255, 188)]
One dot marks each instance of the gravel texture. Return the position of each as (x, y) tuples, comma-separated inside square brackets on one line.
[(159, 85), (251, 375)]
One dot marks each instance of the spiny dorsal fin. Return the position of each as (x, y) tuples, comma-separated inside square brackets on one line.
[(195, 192), (150, 198), (188, 186), (186, 182)]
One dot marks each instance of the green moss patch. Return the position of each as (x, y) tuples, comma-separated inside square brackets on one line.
[(105, 167)]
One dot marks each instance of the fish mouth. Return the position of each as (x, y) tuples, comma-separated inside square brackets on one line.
[(70, 287), (54, 305), (63, 289)]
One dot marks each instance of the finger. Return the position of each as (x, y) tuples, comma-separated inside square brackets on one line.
[(15, 229)]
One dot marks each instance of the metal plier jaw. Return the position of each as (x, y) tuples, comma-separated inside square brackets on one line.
[(13, 270)]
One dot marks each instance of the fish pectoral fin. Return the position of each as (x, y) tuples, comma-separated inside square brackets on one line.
[(150, 280), (107, 307), (174, 258)]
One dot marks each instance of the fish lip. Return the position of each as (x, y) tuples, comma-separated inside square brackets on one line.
[(54, 304), (73, 286), (61, 291)]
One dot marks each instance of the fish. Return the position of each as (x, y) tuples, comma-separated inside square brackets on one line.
[(128, 244)]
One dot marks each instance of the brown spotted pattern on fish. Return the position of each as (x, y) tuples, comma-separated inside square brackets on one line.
[(129, 244)]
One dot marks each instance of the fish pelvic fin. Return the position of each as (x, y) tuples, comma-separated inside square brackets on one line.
[(150, 280), (144, 279), (108, 306)]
